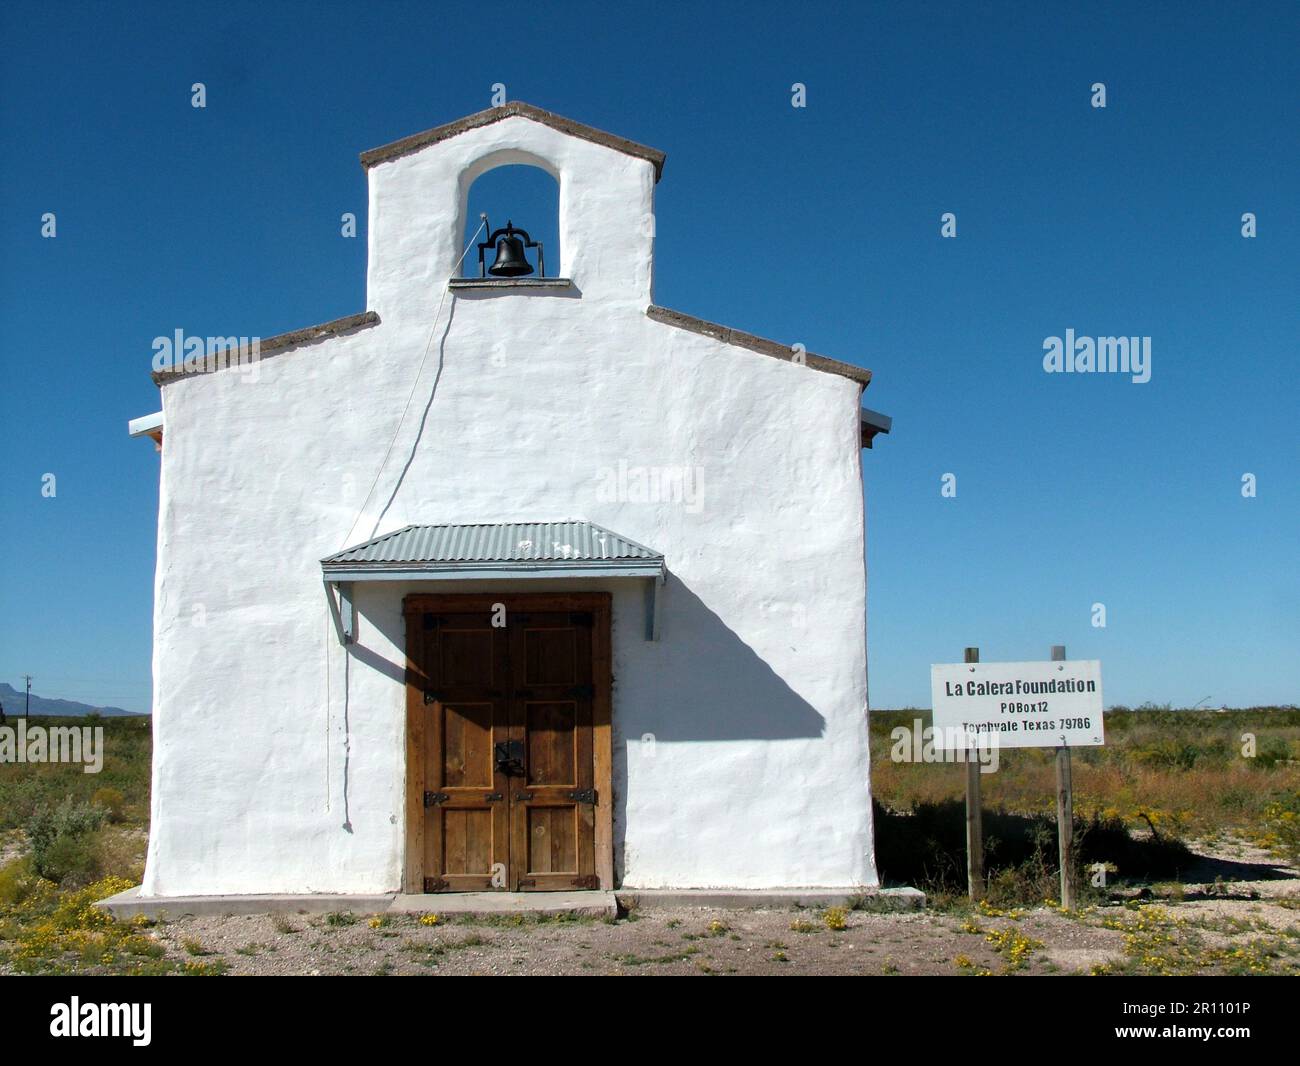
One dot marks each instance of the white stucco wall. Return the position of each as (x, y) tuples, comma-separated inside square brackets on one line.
[(267, 780)]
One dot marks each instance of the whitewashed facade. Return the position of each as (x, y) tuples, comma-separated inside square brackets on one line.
[(739, 736)]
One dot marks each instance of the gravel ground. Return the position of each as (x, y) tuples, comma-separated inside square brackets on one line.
[(716, 941), (685, 941)]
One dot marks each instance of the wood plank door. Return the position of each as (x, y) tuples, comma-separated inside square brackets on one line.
[(553, 801), (509, 758), (466, 701)]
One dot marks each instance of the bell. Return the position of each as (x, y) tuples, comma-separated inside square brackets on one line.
[(510, 262)]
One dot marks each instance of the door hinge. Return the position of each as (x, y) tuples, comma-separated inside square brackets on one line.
[(430, 697), (435, 884), (582, 692), (586, 881), (528, 882), (582, 618), (428, 620), (431, 799), (523, 797), (493, 797), (583, 795)]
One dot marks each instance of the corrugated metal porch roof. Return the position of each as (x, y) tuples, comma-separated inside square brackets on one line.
[(498, 550)]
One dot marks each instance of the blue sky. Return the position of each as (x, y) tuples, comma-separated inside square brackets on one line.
[(818, 225)]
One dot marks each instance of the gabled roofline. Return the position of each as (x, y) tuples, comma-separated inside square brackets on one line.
[(416, 141), (759, 344), (282, 342)]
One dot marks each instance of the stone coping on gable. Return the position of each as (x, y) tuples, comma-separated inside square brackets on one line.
[(417, 141), (758, 344), (269, 346)]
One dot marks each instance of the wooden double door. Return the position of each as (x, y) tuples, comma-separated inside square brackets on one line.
[(507, 706)]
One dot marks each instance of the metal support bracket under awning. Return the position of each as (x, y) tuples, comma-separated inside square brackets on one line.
[(342, 610), (490, 553)]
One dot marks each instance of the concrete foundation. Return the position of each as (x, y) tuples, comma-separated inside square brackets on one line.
[(130, 904), (578, 904), (874, 899)]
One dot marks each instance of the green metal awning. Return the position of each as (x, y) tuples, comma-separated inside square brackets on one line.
[(493, 551)]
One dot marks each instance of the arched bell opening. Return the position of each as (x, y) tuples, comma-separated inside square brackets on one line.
[(520, 235)]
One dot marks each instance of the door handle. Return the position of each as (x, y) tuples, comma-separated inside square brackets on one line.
[(509, 757)]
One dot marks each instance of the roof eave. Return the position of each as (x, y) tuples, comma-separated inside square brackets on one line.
[(282, 342), (762, 345), (417, 141), (873, 422), (502, 571)]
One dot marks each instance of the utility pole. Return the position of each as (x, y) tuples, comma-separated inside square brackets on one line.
[(27, 710)]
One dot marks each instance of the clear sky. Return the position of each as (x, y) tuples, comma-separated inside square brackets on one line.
[(818, 225)]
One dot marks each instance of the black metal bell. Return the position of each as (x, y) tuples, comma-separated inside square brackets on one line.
[(511, 261)]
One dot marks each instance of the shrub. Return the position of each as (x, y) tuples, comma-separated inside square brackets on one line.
[(1282, 825), (17, 881), (120, 852), (63, 842), (111, 800), (71, 860), (1272, 752)]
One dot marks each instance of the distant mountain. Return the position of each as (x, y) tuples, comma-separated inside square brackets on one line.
[(14, 701)]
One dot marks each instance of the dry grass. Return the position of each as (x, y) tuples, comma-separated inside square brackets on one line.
[(1163, 778), (1184, 771)]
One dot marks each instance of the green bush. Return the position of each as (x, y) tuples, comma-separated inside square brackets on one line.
[(1271, 752), (63, 841), (17, 879), (72, 861), (111, 800)]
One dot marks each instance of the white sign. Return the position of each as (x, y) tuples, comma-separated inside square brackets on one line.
[(1017, 705)]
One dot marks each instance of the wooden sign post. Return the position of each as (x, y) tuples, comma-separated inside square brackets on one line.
[(974, 816), (1037, 704), (1064, 809)]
